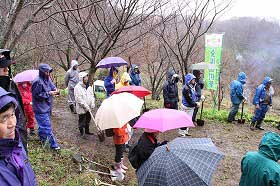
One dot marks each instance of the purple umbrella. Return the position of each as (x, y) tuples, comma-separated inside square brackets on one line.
[(27, 75), (164, 119), (108, 62)]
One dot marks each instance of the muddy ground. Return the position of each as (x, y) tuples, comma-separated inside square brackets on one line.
[(233, 139)]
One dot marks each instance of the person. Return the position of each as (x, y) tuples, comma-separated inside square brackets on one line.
[(198, 89), (110, 81), (146, 145), (85, 101), (124, 81), (236, 95), (262, 100), (261, 168), (25, 90), (189, 100), (170, 90), (43, 91), (71, 80), (9, 85), (15, 169), (135, 75), (120, 138)]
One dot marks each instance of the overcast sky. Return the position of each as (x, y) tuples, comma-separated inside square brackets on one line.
[(254, 8)]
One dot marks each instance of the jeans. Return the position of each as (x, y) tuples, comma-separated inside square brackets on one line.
[(233, 111)]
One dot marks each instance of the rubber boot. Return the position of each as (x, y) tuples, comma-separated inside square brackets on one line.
[(87, 130), (123, 166), (72, 108), (81, 129), (252, 125), (118, 168), (258, 126)]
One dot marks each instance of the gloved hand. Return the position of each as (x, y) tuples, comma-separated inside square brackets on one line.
[(197, 104), (244, 100), (113, 81), (87, 108), (31, 103), (202, 98)]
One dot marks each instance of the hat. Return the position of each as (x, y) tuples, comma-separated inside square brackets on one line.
[(6, 98), (82, 75), (151, 130), (5, 59)]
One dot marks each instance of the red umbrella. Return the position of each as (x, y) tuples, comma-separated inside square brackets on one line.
[(138, 91)]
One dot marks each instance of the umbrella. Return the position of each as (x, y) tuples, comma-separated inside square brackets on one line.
[(203, 66), (164, 119), (27, 75), (108, 62), (183, 161), (138, 91), (117, 110)]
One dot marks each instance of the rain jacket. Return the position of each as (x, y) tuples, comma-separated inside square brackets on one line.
[(262, 94), (189, 97), (170, 89), (84, 97), (135, 77), (236, 88), (41, 87), (25, 91), (261, 168), (120, 135), (125, 78), (72, 76), (15, 168), (110, 87)]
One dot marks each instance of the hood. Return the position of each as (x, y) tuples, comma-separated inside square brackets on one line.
[(112, 69), (242, 77), (270, 145), (188, 78), (125, 77), (74, 63), (170, 73), (5, 59), (133, 67), (267, 80), (5, 98), (44, 68), (82, 75)]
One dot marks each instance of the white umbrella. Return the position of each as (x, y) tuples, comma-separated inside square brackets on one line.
[(117, 110), (203, 66)]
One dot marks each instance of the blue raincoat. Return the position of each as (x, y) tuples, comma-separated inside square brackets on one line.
[(135, 77), (261, 93), (110, 87), (236, 88), (189, 97)]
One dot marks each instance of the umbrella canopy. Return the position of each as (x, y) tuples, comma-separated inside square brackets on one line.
[(183, 161), (27, 75), (117, 110), (138, 91), (203, 66), (164, 119), (108, 62)]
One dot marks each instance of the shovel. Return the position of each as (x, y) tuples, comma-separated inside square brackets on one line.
[(200, 121), (100, 133), (241, 120)]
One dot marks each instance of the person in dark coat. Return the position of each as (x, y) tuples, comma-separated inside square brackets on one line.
[(198, 89), (15, 168), (110, 81), (43, 91), (170, 90), (135, 75), (9, 85)]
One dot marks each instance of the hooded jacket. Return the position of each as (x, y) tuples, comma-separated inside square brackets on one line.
[(41, 87), (125, 78), (261, 168), (189, 97), (262, 94), (25, 90), (72, 76), (110, 87), (135, 77), (236, 88), (84, 96), (170, 89)]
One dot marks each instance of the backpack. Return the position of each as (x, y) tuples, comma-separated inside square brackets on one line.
[(133, 156), (109, 132)]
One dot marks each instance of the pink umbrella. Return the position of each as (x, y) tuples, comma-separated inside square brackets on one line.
[(164, 119), (27, 75)]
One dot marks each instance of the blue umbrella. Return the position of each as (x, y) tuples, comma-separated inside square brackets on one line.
[(183, 161), (108, 62)]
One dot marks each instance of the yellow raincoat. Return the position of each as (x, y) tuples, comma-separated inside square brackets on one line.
[(125, 79)]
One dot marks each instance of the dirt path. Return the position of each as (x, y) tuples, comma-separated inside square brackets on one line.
[(233, 139)]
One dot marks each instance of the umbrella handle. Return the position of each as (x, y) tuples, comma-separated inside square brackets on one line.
[(92, 117)]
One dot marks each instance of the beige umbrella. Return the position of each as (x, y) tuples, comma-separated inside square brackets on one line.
[(203, 66), (117, 110)]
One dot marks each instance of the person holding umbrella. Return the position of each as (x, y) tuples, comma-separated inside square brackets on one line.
[(9, 85), (170, 90), (85, 101), (43, 91), (110, 80), (236, 95), (71, 80)]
